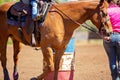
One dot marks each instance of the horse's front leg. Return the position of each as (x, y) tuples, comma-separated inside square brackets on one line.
[(17, 47), (57, 58), (3, 57), (48, 63)]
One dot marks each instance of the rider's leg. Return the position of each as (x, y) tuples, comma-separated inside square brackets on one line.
[(39, 9), (35, 9), (34, 5)]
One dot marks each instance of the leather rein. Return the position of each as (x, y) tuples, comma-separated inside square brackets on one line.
[(85, 25)]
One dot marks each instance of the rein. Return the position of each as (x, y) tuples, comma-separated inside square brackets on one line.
[(85, 25)]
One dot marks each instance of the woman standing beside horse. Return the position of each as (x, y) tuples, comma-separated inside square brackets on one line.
[(112, 43)]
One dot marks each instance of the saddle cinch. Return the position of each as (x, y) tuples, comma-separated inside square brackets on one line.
[(19, 15)]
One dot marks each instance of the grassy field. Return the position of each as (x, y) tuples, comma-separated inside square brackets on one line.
[(9, 41), (2, 1)]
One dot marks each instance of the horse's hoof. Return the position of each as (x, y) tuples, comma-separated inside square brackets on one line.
[(40, 78), (15, 76), (6, 78), (6, 75), (33, 78)]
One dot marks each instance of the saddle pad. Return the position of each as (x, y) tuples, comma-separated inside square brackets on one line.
[(15, 23), (22, 24)]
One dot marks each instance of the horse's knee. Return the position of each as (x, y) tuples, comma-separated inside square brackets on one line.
[(3, 52), (51, 67), (3, 61), (48, 67)]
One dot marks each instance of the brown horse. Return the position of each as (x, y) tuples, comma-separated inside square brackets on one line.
[(58, 28)]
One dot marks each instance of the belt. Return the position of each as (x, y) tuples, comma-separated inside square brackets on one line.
[(115, 32)]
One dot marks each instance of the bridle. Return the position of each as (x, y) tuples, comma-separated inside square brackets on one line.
[(103, 22)]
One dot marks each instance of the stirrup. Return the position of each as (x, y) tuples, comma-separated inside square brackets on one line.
[(38, 17), (42, 13)]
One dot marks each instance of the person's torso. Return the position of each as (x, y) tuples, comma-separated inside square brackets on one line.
[(114, 13)]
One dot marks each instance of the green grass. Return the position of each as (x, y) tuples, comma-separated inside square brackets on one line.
[(2, 1), (9, 41)]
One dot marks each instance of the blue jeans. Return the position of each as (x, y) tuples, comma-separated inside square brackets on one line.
[(112, 48), (34, 5)]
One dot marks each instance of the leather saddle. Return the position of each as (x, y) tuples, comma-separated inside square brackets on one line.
[(21, 12), (18, 11)]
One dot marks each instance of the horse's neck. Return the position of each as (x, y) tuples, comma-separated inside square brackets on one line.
[(77, 11)]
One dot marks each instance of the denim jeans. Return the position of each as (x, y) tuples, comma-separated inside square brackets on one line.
[(112, 49), (34, 5)]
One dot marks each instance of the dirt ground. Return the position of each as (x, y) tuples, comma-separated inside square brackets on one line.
[(91, 63)]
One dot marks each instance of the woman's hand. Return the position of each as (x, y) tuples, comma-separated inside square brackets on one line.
[(107, 38)]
